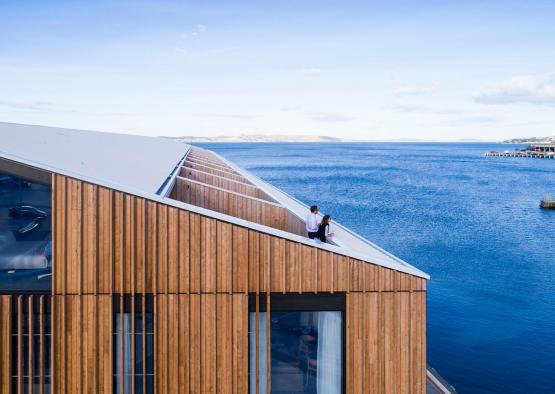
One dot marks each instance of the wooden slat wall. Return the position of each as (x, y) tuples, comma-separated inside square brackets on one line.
[(237, 205), (202, 343), (200, 271), (214, 171), (386, 342), (223, 183), (145, 246), (83, 345), (211, 164)]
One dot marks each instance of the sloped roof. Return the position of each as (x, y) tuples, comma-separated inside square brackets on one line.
[(136, 162), (141, 166)]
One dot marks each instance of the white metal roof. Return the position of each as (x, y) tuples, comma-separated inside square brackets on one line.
[(141, 165), (138, 162)]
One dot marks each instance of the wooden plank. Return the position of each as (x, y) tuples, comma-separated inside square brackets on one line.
[(277, 264), (194, 252), (184, 251), (404, 341), (208, 255), (59, 245), (105, 343), (19, 344), (162, 242), (173, 249), (224, 341), (268, 344), (208, 339), (172, 344), (5, 343), (224, 244), (42, 340), (30, 332), (195, 343), (240, 343), (240, 259), (105, 241), (389, 342), (183, 344), (293, 262)]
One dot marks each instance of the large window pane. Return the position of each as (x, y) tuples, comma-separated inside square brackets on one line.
[(306, 352), (25, 235)]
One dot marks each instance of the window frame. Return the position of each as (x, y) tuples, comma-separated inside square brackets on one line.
[(305, 302)]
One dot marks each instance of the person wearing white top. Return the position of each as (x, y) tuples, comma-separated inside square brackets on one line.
[(312, 222)]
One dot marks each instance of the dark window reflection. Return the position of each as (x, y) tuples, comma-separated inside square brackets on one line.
[(25, 235), (306, 352)]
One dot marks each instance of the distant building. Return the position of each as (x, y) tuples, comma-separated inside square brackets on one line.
[(138, 265)]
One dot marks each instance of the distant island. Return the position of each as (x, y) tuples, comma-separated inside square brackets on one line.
[(296, 138), (531, 140), (261, 138)]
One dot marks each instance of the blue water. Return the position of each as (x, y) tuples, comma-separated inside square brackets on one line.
[(471, 222)]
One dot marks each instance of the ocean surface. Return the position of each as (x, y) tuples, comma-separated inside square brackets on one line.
[(471, 222)]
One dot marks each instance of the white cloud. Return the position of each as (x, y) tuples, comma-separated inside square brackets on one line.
[(27, 105), (329, 117), (413, 90), (197, 31), (230, 116), (531, 89), (311, 71)]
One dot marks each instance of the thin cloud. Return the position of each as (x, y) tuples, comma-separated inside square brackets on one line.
[(198, 30), (329, 117), (311, 71), (230, 116), (421, 109), (290, 108), (529, 89), (28, 105), (408, 108), (413, 90)]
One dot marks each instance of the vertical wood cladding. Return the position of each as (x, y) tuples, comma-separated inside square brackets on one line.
[(111, 242), (200, 271)]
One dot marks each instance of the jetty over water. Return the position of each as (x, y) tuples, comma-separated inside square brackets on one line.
[(536, 151)]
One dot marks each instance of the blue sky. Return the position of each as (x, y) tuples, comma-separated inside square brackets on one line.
[(406, 69)]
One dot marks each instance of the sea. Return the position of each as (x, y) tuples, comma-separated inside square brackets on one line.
[(472, 222)]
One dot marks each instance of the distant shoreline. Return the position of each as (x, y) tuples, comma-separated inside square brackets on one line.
[(311, 139)]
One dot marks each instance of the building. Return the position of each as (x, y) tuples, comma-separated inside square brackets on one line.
[(134, 264)]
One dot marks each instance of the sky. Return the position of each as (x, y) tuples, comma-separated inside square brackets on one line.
[(442, 70)]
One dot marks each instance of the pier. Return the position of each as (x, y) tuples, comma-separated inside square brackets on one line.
[(537, 151)]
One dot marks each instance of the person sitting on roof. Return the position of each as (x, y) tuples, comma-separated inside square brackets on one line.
[(324, 229), (312, 222)]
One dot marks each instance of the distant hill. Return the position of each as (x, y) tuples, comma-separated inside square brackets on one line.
[(261, 138), (531, 140)]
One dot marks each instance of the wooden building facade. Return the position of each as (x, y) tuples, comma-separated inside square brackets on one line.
[(155, 293)]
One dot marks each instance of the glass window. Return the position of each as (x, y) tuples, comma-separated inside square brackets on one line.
[(124, 351), (25, 235), (306, 351)]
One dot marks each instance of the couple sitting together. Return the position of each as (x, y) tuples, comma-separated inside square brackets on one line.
[(316, 229)]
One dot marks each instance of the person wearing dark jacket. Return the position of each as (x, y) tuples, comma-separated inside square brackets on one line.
[(324, 229)]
